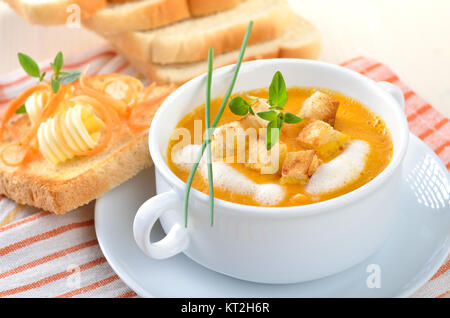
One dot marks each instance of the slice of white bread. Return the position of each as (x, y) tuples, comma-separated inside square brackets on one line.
[(301, 40), (188, 41), (66, 186), (150, 14), (205, 7), (53, 12), (137, 15)]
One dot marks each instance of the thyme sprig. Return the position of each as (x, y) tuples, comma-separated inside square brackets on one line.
[(57, 79), (278, 97)]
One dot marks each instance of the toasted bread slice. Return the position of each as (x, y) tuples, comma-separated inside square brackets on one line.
[(68, 185), (188, 41), (149, 14), (205, 7), (109, 16), (300, 40), (53, 12), (137, 15)]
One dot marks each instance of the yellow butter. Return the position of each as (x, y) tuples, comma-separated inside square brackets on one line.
[(79, 130)]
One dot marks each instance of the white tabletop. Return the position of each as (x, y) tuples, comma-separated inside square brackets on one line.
[(411, 36)]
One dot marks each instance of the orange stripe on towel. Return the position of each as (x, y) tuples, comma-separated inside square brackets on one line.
[(346, 63), (24, 221), (391, 79), (426, 133), (408, 95), (43, 236), (48, 258), (441, 148), (90, 287), (441, 123), (129, 294), (444, 294), (122, 67), (420, 111), (50, 279), (444, 268), (370, 68)]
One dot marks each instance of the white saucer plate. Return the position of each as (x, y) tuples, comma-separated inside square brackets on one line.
[(412, 254)]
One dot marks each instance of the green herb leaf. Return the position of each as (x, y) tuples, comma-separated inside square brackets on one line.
[(291, 118), (268, 115), (21, 110), (239, 106), (57, 64), (273, 133), (250, 110), (70, 77), (55, 85), (29, 65), (278, 94)]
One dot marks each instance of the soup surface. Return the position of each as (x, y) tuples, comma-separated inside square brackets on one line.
[(365, 151)]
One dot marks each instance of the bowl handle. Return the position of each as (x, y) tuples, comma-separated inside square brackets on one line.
[(395, 92), (177, 239)]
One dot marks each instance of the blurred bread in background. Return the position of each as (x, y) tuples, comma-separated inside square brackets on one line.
[(300, 40), (168, 40), (53, 12)]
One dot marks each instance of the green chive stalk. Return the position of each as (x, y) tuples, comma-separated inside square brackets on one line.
[(215, 122)]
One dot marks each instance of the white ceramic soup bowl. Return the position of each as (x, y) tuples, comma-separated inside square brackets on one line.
[(274, 244)]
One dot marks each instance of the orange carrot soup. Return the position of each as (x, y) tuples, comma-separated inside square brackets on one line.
[(338, 146)]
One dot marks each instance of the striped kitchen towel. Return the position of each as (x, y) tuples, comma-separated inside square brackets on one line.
[(47, 255)]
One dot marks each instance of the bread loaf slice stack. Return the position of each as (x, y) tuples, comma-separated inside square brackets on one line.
[(116, 15), (149, 14), (301, 40), (177, 52), (168, 40)]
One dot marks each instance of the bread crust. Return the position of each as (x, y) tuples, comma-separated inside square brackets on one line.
[(285, 46), (24, 186), (139, 15), (53, 13), (170, 45), (150, 14), (205, 7)]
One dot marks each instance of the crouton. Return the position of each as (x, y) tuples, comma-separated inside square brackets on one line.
[(299, 166), (254, 121), (228, 140), (323, 138), (266, 161), (315, 163), (320, 106)]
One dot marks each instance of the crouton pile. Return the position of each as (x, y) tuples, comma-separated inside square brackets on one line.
[(245, 138)]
